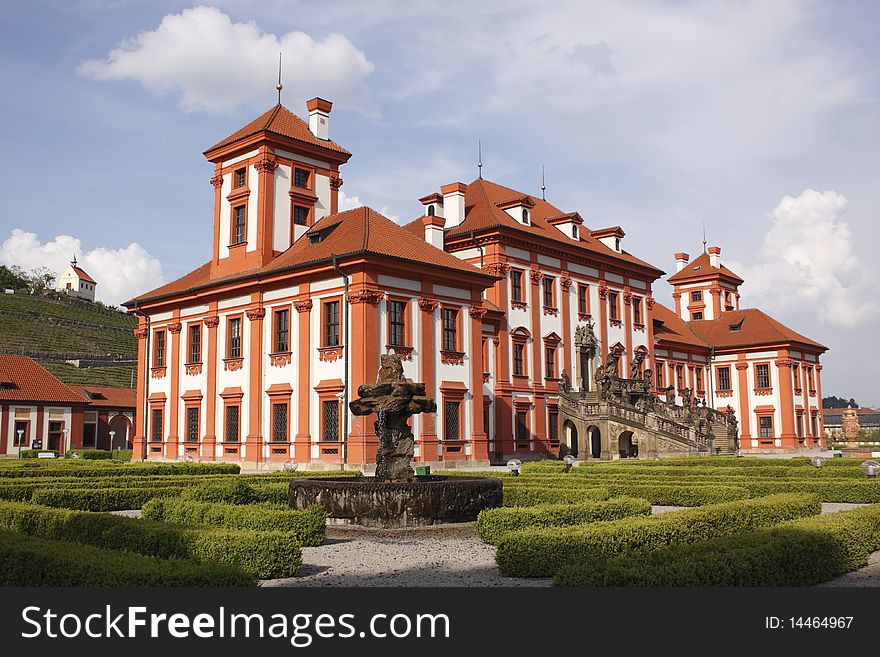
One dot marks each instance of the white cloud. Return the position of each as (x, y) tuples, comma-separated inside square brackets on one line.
[(217, 65), (351, 202), (121, 273), (808, 263)]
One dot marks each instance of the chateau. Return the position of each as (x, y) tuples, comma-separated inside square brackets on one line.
[(521, 320)]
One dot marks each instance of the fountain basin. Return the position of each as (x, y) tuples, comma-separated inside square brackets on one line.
[(427, 500)]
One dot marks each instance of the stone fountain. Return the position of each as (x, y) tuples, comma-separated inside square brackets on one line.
[(396, 496)]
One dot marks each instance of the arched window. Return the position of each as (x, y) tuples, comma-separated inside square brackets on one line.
[(574, 232), (525, 216), (617, 244), (431, 210)]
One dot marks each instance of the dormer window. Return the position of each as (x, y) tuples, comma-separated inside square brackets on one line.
[(431, 210), (737, 326), (575, 233), (525, 216), (617, 244), (240, 177)]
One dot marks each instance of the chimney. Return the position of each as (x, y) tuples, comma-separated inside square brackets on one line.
[(681, 260), (319, 117), (714, 256), (453, 203), (433, 230), (433, 204)]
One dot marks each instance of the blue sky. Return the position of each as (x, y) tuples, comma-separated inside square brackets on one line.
[(758, 118)]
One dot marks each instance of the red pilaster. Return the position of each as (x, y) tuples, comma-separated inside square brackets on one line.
[(210, 441), (302, 441), (427, 356), (138, 443), (254, 447), (174, 400)]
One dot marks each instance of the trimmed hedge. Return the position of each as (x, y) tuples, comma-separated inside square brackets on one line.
[(681, 495), (308, 526), (228, 491), (565, 489), (122, 455), (263, 554), (32, 453), (492, 524), (797, 553), (30, 561), (89, 454), (519, 496), (541, 552), (765, 472), (110, 468), (101, 499)]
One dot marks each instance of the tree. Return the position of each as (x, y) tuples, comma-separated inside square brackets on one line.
[(13, 277), (40, 279), (838, 402)]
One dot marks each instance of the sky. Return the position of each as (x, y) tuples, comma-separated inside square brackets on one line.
[(756, 119)]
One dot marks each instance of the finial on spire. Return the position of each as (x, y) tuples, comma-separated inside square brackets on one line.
[(279, 86), (543, 186), (704, 237), (479, 158), (73, 262)]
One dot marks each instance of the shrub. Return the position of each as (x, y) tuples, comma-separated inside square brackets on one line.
[(540, 552), (531, 495), (89, 454), (30, 561), (229, 491), (673, 495), (263, 554), (101, 499), (797, 553), (492, 524), (308, 526), (110, 468), (121, 454)]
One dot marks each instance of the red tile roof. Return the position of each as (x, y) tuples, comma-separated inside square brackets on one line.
[(482, 212), (358, 231), (84, 276), (23, 380), (111, 397), (280, 121), (700, 268), (669, 327), (755, 328)]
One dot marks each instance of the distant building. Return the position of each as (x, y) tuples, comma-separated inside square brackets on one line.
[(868, 421), (37, 411), (76, 282)]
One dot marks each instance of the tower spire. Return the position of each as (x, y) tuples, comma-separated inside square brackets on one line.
[(479, 158), (279, 86), (704, 236), (543, 186)]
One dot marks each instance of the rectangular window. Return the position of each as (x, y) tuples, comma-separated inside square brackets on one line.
[(696, 317), (195, 343), (282, 331), (766, 424), (612, 306), (553, 427), (813, 430), (330, 417), (397, 323), (679, 377), (548, 292), (516, 285), (762, 376), (279, 423), (451, 423), (300, 215), (637, 310), (159, 356), (234, 345), (240, 177), (696, 296), (550, 362), (156, 428), (660, 371), (331, 324), (723, 378), (800, 425), (450, 329), (583, 291), (518, 359), (301, 178), (699, 377), (22, 432), (192, 424), (238, 220), (522, 427), (232, 424)]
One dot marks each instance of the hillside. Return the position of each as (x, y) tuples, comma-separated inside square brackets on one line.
[(79, 342)]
